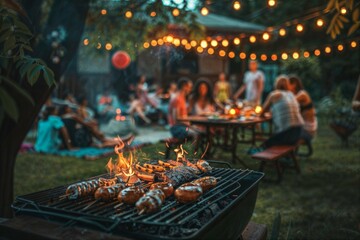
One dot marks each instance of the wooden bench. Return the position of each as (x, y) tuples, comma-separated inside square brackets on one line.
[(273, 154)]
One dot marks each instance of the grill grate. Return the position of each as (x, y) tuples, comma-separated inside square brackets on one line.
[(173, 221)]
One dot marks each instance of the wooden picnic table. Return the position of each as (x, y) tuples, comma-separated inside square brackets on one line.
[(227, 122)]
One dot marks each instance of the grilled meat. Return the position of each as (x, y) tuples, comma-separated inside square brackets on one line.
[(130, 195), (86, 188), (206, 183), (203, 165), (151, 201), (166, 187), (107, 193), (178, 175), (188, 192)]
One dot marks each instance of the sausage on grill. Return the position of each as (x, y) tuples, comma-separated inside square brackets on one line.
[(86, 188), (203, 165), (188, 192), (107, 193), (130, 195), (206, 183), (166, 187), (151, 201)]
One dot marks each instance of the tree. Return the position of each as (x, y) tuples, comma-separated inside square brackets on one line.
[(46, 19)]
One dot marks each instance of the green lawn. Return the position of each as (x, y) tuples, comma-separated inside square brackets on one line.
[(321, 203)]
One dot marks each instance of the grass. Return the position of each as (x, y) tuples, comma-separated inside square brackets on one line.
[(323, 202)]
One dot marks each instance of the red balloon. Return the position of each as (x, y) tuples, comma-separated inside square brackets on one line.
[(120, 60)]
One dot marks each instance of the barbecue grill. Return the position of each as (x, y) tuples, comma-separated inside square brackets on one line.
[(224, 211)]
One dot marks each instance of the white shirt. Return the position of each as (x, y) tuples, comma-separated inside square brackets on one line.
[(253, 93)]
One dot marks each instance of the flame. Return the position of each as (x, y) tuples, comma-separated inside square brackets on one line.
[(123, 165)]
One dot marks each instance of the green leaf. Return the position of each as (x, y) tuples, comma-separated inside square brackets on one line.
[(354, 28), (355, 15), (330, 5), (48, 76), (9, 105), (34, 74), (9, 44), (18, 89)]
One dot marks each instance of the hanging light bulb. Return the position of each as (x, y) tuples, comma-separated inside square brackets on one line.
[(236, 41), (222, 53), (86, 41), (231, 54), (282, 32), (253, 56), (146, 45), (263, 57), (252, 39), (184, 41), (317, 52), (153, 43), (193, 43), (128, 14), (242, 55), (236, 5), (271, 3), (176, 42), (343, 10), (353, 44), (153, 14), (225, 43), (266, 36), (98, 46), (340, 47), (169, 38), (328, 49), (199, 49), (210, 51), (103, 11), (274, 57), (306, 54), (187, 46), (295, 55), (299, 27), (319, 22), (204, 11), (108, 46), (160, 41), (175, 12), (284, 56), (214, 43), (203, 44)]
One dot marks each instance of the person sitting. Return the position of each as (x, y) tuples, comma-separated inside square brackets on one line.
[(178, 109), (106, 106), (49, 126), (81, 133), (222, 89), (307, 110), (286, 115), (202, 101), (84, 112)]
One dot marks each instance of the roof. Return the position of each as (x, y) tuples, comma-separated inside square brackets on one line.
[(220, 23)]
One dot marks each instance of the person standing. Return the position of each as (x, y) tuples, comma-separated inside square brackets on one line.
[(222, 89), (253, 85)]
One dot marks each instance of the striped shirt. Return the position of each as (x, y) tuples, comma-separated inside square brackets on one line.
[(286, 112)]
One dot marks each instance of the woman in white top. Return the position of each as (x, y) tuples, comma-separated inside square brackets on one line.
[(286, 115)]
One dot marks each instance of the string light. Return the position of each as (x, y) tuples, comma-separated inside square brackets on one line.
[(175, 12), (86, 41), (98, 46), (274, 57), (299, 28), (210, 51), (284, 56), (108, 46), (306, 54), (222, 53), (252, 39), (282, 32), (169, 38), (103, 11), (237, 5), (214, 43), (204, 11), (176, 42), (295, 55), (199, 49), (242, 55), (153, 14), (184, 41), (160, 41), (320, 22), (343, 10), (153, 43), (271, 3), (203, 44), (128, 14), (236, 41), (146, 45), (225, 43), (340, 47), (317, 52), (253, 56), (353, 44), (263, 57), (328, 49), (193, 43), (231, 54), (187, 46), (266, 36)]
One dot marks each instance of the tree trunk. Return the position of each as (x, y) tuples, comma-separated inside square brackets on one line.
[(71, 16)]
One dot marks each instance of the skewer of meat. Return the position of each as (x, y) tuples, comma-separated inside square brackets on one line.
[(166, 187), (130, 195), (86, 188), (206, 183), (151, 201), (188, 192), (107, 193)]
